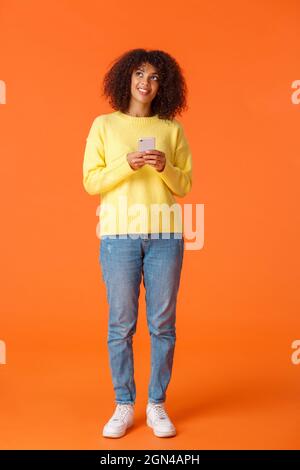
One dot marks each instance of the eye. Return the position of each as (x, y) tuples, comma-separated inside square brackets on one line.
[(139, 72)]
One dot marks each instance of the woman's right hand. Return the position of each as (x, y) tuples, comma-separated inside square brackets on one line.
[(136, 160)]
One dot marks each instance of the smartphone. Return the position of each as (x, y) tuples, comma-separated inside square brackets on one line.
[(146, 143)]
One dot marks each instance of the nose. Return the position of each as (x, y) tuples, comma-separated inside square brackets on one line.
[(145, 84)]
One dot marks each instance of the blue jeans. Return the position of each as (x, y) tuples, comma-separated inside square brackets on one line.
[(123, 262)]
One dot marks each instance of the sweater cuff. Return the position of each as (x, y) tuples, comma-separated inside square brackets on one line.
[(167, 173)]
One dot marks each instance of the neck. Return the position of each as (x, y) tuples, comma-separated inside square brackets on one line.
[(139, 110)]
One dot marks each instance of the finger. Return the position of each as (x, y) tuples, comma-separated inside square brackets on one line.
[(155, 152), (151, 157)]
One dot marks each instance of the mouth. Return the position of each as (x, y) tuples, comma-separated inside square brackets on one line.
[(143, 92)]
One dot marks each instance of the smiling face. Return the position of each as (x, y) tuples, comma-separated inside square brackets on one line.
[(144, 83)]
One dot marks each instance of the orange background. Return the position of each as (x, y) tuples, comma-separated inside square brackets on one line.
[(234, 384)]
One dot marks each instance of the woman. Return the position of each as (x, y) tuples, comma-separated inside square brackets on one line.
[(146, 89)]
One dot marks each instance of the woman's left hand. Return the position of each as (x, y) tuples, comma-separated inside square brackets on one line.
[(155, 158)]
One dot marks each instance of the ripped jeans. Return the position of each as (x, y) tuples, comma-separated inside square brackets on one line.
[(124, 261)]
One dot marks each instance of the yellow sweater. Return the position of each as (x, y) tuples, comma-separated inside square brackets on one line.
[(136, 201)]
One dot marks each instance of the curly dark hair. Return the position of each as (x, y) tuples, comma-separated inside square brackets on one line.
[(171, 95)]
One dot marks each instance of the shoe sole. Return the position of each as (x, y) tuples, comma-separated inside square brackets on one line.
[(115, 435), (161, 433)]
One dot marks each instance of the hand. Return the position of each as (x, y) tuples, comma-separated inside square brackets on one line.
[(155, 158), (136, 160)]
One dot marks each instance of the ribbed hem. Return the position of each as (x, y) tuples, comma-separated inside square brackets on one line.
[(137, 120), (146, 236)]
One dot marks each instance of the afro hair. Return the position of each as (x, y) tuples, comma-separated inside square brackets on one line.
[(170, 99)]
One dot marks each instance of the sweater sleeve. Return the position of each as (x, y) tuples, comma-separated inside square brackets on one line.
[(97, 176), (178, 177)]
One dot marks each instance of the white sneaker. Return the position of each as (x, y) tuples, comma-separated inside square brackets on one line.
[(120, 421), (159, 421)]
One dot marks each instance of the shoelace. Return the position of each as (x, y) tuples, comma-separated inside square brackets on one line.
[(159, 411), (121, 412)]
